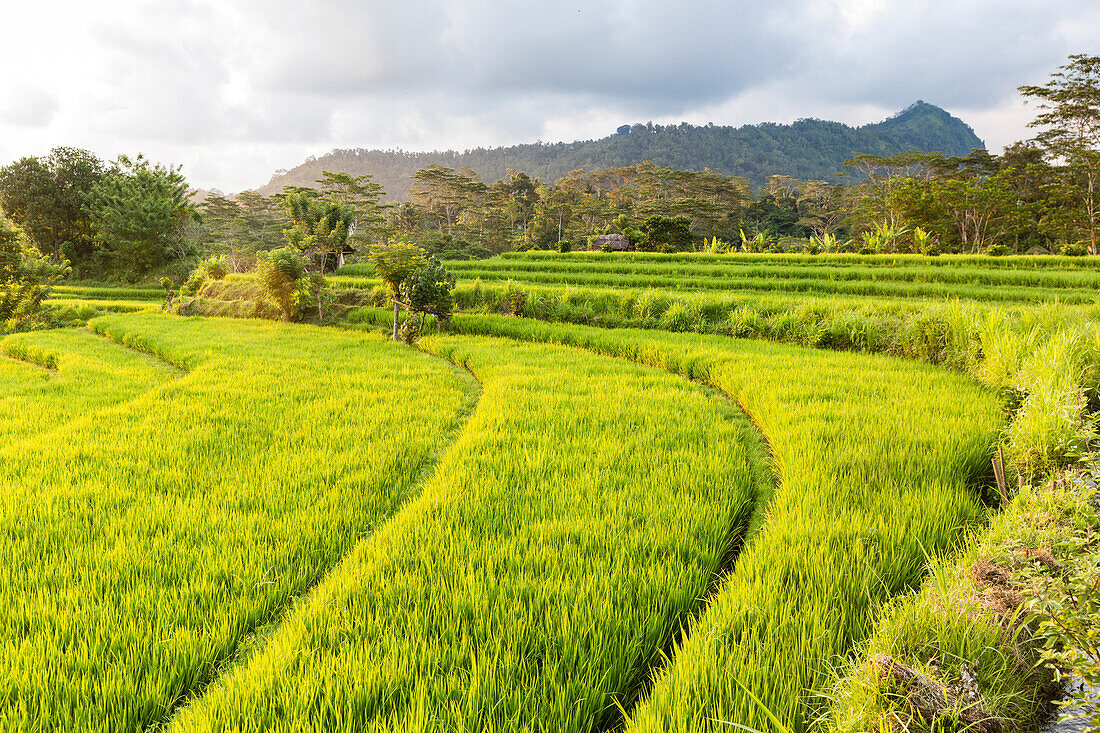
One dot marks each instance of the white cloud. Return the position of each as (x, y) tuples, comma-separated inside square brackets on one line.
[(235, 89), (27, 107)]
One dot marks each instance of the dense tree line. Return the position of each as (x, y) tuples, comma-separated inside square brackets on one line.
[(131, 217), (125, 218), (807, 149)]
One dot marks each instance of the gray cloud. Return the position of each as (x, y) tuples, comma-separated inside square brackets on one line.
[(234, 89), (25, 106)]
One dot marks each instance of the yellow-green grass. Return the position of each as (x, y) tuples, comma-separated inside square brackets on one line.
[(107, 292), (878, 460), (1029, 279), (567, 535), (95, 304), (957, 621), (143, 542), (1015, 262), (813, 283), (715, 271), (50, 378)]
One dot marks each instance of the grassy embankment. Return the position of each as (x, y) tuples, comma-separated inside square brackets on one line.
[(551, 559), (1041, 358)]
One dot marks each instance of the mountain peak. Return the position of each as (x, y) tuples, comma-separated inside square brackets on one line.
[(921, 119), (807, 149)]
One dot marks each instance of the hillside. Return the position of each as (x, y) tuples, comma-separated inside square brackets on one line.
[(807, 149)]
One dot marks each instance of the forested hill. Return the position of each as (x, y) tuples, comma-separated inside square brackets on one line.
[(808, 149)]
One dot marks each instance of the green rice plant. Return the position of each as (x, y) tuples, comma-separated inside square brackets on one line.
[(990, 342), (110, 305), (102, 292), (1046, 431), (679, 317), (541, 576), (158, 525), (901, 275), (967, 618), (650, 304), (745, 322), (878, 462), (50, 378)]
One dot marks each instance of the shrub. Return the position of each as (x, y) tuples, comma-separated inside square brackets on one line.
[(513, 299), (212, 268), (281, 272), (678, 317), (428, 291), (1064, 599)]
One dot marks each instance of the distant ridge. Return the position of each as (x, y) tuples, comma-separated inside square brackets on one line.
[(808, 149)]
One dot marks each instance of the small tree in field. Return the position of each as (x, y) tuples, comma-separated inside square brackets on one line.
[(427, 291), (396, 262), (282, 274), (322, 227)]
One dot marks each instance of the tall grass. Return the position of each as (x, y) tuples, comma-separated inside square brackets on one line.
[(157, 525), (1043, 360), (963, 620), (89, 374), (878, 461), (563, 541)]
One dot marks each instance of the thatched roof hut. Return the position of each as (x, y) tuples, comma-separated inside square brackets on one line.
[(612, 243)]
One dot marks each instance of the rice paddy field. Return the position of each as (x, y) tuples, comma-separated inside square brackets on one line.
[(525, 523), (992, 279)]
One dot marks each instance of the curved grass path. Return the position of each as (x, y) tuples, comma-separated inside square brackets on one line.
[(49, 378), (565, 537), (146, 537), (877, 458)]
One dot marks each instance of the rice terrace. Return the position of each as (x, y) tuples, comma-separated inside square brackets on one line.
[(632, 445)]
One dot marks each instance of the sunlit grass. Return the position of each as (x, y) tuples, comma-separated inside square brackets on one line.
[(562, 542), (878, 459), (143, 541)]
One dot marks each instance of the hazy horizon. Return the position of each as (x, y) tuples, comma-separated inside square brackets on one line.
[(234, 91)]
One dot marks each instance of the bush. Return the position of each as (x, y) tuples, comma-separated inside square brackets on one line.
[(1064, 600), (513, 299), (282, 272), (665, 234), (212, 268)]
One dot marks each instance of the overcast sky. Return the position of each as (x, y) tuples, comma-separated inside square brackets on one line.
[(234, 89)]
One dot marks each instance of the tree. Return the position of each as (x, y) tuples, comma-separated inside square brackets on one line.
[(361, 196), (395, 262), (1071, 132), (444, 193), (427, 291), (282, 275), (141, 213), (667, 234), (47, 198), (221, 220), (26, 279), (821, 206), (320, 227)]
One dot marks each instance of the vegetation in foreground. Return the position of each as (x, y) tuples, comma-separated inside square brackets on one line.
[(539, 576), (172, 516), (980, 647), (875, 470)]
